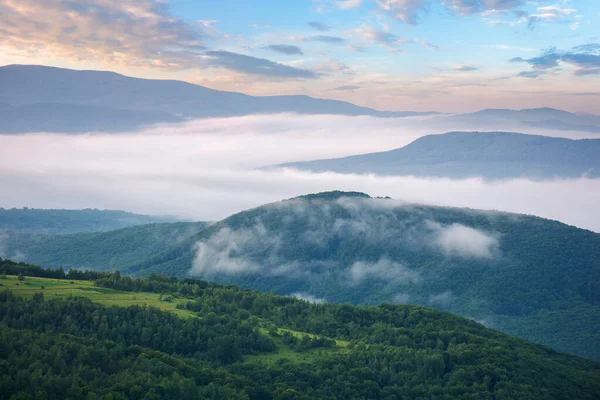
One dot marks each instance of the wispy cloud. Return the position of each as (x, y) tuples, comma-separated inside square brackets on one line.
[(346, 87), (550, 14), (384, 269), (510, 47), (389, 39), (468, 7), (493, 12), (441, 300), (255, 66), (410, 11), (406, 11), (327, 39), (530, 74), (285, 49), (345, 4), (585, 59), (463, 67), (308, 297), (319, 26)]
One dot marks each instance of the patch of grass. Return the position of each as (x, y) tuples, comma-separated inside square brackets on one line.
[(338, 343), (285, 352), (60, 288)]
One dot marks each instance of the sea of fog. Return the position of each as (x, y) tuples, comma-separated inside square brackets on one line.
[(208, 169)]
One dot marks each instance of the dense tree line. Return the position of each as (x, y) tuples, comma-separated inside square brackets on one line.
[(111, 250), (220, 339), (8, 267)]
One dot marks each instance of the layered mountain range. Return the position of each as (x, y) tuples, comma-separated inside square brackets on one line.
[(36, 98)]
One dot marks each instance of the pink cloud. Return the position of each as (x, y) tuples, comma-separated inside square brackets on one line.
[(117, 32)]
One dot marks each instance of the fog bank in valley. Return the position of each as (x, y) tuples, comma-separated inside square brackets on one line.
[(207, 170)]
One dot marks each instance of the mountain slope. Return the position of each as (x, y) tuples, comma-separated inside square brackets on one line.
[(111, 250), (35, 220), (546, 118), (493, 155), (137, 99), (74, 118), (524, 275), (533, 115), (239, 344), (563, 126)]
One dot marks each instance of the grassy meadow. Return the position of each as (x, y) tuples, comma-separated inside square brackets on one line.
[(62, 288)]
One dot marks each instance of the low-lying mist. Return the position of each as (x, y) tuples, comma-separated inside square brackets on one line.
[(329, 247), (207, 169)]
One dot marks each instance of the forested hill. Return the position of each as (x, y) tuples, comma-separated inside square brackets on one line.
[(492, 155), (233, 343), (33, 220), (110, 250), (527, 276)]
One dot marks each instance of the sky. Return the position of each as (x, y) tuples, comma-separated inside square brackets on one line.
[(443, 55)]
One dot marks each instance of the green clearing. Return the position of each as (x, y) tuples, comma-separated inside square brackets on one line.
[(285, 352), (61, 288)]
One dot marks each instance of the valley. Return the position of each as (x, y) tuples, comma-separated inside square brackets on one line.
[(300, 200)]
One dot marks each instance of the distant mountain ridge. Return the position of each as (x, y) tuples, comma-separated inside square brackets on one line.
[(506, 119), (136, 102), (533, 115), (493, 155), (59, 221), (79, 101)]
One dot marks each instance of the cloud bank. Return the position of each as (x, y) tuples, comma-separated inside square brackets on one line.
[(206, 170)]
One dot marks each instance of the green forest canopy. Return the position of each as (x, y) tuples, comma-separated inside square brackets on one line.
[(243, 344)]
